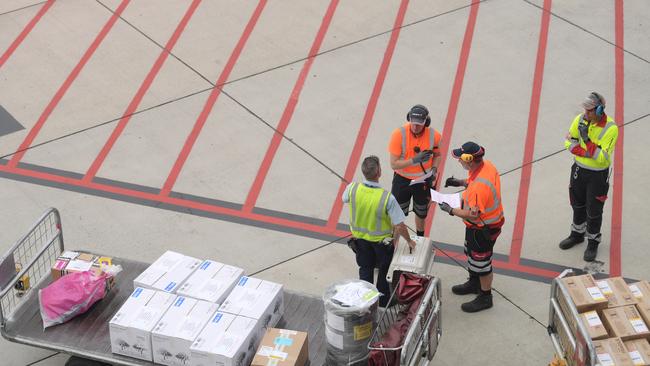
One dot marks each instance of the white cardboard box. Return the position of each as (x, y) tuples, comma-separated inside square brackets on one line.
[(227, 340), (257, 299), (212, 281), (172, 337), (130, 328), (168, 272)]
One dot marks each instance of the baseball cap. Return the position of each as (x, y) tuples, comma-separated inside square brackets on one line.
[(469, 147), (418, 114)]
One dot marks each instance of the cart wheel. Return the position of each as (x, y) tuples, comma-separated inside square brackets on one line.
[(78, 361)]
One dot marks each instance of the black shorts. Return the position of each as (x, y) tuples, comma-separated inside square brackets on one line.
[(403, 192), (478, 248)]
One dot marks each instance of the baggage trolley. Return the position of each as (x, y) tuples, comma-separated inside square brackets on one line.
[(421, 340), (569, 335)]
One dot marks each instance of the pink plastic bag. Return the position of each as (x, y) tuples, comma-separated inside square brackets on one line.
[(70, 296)]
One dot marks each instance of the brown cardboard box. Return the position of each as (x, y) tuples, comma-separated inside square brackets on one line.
[(612, 351), (639, 350), (616, 291), (644, 310), (625, 322), (70, 262), (584, 293), (594, 325), (641, 290), (287, 347)]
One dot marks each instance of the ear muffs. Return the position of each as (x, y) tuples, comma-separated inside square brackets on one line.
[(600, 108), (468, 158), (427, 121)]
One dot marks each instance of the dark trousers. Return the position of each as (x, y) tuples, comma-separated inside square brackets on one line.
[(587, 193), (369, 255)]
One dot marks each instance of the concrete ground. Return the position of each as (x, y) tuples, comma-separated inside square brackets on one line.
[(140, 153)]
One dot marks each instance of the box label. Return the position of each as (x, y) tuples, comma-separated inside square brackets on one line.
[(636, 291), (595, 293), (604, 287), (636, 358), (605, 359), (283, 341), (407, 259), (638, 325), (205, 265), (265, 351), (179, 302), (170, 286), (593, 319), (217, 318), (362, 331), (137, 292), (335, 321), (278, 355)]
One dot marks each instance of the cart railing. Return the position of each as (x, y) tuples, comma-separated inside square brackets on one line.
[(424, 331), (28, 263), (575, 347)]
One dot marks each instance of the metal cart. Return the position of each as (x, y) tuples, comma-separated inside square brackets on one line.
[(87, 336), (568, 333), (421, 340)]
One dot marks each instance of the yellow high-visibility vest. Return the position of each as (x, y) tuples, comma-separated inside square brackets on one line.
[(603, 136), (368, 217)]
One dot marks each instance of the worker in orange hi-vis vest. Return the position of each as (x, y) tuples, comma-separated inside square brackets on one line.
[(414, 156), (482, 213)]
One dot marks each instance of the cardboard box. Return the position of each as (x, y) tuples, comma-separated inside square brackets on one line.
[(130, 328), (641, 290), (257, 299), (644, 310), (616, 291), (172, 337), (594, 325), (611, 351), (227, 340), (212, 281), (282, 347), (70, 262), (625, 322), (639, 351), (585, 293), (168, 272)]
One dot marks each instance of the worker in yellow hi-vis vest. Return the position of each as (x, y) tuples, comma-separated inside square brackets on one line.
[(375, 218), (591, 139)]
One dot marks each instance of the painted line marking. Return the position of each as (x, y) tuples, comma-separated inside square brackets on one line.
[(290, 107), (28, 28)]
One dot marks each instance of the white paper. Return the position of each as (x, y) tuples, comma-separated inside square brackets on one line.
[(354, 294), (422, 178), (78, 265), (335, 321), (595, 293), (265, 351), (452, 199), (407, 259), (636, 358), (593, 319), (605, 359), (604, 287), (638, 325), (636, 291)]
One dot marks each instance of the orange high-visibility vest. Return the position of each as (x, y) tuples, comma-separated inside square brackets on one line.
[(484, 192), (403, 143)]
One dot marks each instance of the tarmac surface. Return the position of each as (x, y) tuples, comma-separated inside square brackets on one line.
[(227, 130)]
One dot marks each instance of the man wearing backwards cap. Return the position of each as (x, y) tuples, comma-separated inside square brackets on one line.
[(482, 213), (414, 153), (591, 139)]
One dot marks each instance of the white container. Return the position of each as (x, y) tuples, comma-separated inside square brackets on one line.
[(212, 281), (257, 299), (130, 328), (168, 272), (418, 260), (227, 340), (178, 328)]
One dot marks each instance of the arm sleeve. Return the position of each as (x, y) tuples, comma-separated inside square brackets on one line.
[(394, 211), (345, 197), (572, 141), (395, 144)]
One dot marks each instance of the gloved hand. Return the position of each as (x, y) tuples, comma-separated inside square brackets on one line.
[(422, 156), (445, 207), (453, 182), (583, 129)]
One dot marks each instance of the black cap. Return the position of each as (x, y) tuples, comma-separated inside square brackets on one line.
[(469, 147), (418, 114)]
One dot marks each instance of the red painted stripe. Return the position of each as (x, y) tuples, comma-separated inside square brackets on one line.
[(256, 187), (453, 102), (139, 95), (529, 144), (353, 162), (615, 267), (28, 28), (173, 201), (212, 99), (66, 85)]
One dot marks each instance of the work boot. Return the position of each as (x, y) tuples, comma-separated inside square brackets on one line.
[(481, 302), (472, 286), (591, 251), (573, 239)]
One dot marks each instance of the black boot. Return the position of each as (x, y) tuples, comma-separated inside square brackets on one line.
[(591, 251), (481, 302), (573, 239), (472, 286)]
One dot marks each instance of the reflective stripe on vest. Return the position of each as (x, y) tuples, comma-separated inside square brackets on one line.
[(409, 175), (488, 210), (382, 227)]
